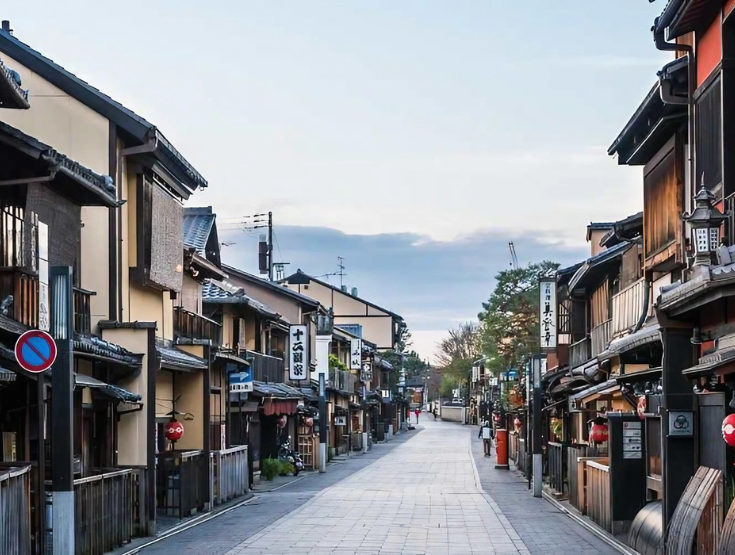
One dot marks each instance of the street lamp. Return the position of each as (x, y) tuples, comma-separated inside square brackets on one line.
[(705, 221)]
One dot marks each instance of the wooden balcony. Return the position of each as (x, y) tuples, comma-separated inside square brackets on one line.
[(342, 380), (600, 337), (83, 311), (627, 307), (23, 286), (189, 326), (265, 368), (579, 352)]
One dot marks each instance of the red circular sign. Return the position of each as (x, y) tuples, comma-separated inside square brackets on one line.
[(174, 431), (35, 351), (728, 430)]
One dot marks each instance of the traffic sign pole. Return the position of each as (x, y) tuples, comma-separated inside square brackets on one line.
[(62, 425)]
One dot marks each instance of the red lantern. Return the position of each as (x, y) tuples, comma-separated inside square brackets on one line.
[(517, 423), (174, 430), (599, 433), (728, 430), (308, 421), (641, 407), (282, 421)]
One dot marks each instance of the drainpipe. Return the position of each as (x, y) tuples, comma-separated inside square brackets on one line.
[(150, 145), (644, 312)]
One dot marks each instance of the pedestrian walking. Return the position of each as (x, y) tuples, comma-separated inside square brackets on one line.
[(416, 412), (435, 413), (486, 433)]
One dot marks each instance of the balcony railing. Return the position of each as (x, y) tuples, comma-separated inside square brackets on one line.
[(627, 307), (264, 368), (23, 286), (579, 352), (192, 326), (83, 311), (600, 337), (15, 506), (342, 380)]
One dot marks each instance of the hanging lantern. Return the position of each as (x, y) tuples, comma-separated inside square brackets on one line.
[(308, 421), (705, 221), (174, 430), (728, 430), (641, 409), (517, 423), (598, 433), (282, 421)]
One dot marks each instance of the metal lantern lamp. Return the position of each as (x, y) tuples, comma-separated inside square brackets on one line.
[(705, 221)]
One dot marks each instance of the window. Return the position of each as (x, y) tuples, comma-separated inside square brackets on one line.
[(708, 134)]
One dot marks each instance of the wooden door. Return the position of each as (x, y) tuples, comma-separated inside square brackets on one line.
[(711, 411)]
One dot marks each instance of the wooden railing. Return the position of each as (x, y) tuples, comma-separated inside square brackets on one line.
[(600, 337), (23, 286), (513, 446), (579, 352), (181, 478), (557, 454), (83, 311), (15, 511), (573, 468), (265, 368), (598, 506), (627, 307), (229, 474), (189, 325), (522, 459), (342, 380), (109, 510)]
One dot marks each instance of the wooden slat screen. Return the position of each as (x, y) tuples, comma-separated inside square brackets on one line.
[(661, 214), (600, 304)]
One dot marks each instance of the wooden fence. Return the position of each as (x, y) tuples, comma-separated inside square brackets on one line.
[(109, 510), (522, 458), (557, 455), (574, 452), (513, 446), (181, 477), (229, 474), (598, 506), (15, 511)]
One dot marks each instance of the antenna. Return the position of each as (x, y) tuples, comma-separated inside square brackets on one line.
[(341, 273), (513, 257), (278, 268)]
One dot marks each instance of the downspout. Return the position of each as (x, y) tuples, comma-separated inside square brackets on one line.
[(150, 145), (644, 312)]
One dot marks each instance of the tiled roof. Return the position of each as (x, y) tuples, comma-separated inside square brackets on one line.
[(226, 293), (111, 390), (198, 224), (277, 390), (101, 348), (176, 359), (277, 287), (11, 93)]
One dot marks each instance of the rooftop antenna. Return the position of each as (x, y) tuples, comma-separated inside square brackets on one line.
[(513, 257), (341, 273), (280, 270)]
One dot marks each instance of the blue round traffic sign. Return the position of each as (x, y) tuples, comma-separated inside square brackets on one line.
[(35, 351)]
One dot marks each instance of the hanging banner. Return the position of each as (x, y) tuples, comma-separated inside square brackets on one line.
[(298, 348), (44, 312), (547, 313), (355, 354)]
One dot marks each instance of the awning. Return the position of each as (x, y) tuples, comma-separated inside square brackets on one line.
[(279, 406), (587, 371), (714, 361), (309, 394), (176, 359), (227, 357), (643, 336), (276, 390), (7, 375), (640, 375), (80, 380), (592, 393)]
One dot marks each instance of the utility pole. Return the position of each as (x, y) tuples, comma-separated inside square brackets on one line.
[(537, 451), (270, 246), (324, 328)]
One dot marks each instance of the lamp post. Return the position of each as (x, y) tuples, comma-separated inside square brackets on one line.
[(705, 221), (324, 328)]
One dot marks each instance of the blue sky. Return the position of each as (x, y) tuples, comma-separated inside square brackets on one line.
[(414, 138)]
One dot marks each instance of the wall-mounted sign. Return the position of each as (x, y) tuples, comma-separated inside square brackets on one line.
[(632, 440), (355, 354), (298, 348), (547, 313), (681, 423), (340, 421), (44, 318), (241, 382), (367, 372)]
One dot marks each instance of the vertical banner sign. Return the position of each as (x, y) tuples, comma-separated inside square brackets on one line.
[(547, 313), (356, 354), (298, 348), (44, 320)]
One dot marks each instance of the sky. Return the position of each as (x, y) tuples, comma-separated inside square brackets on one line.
[(414, 138)]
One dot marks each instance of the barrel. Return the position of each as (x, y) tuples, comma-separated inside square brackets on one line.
[(646, 533), (501, 449)]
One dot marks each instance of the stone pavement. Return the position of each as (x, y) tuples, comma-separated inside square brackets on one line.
[(544, 529), (422, 498)]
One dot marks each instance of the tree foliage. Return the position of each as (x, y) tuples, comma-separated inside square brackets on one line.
[(456, 353), (509, 318)]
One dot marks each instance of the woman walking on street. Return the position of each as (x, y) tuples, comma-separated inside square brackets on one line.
[(417, 414)]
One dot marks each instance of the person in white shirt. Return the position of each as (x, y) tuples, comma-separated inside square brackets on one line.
[(486, 432)]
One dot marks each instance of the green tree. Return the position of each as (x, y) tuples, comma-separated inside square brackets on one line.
[(447, 385), (457, 352), (510, 327)]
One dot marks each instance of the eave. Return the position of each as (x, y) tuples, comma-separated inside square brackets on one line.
[(691, 15), (12, 96)]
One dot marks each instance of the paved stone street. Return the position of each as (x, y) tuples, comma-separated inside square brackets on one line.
[(420, 494)]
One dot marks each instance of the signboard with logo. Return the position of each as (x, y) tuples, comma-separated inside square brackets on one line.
[(547, 313), (298, 348), (681, 423), (340, 421), (241, 382), (367, 372), (355, 354)]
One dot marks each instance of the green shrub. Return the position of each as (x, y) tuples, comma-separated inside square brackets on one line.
[(272, 468), (287, 469)]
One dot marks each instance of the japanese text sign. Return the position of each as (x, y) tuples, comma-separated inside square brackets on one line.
[(547, 313), (355, 354), (298, 348)]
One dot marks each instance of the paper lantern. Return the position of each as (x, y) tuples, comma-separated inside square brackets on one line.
[(728, 430), (308, 421), (174, 430), (599, 433)]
